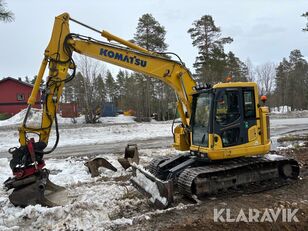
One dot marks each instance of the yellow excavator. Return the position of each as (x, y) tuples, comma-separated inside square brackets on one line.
[(224, 130)]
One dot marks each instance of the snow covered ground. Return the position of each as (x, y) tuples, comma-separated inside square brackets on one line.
[(117, 129), (102, 202), (111, 129), (281, 109), (85, 135), (36, 114), (99, 203)]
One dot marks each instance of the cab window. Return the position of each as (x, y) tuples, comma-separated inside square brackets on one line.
[(249, 103), (227, 107)]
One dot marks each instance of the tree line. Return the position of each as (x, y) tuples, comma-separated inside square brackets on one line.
[(284, 84), (93, 86)]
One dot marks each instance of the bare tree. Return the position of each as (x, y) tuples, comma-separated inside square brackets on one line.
[(266, 74), (251, 73), (91, 100)]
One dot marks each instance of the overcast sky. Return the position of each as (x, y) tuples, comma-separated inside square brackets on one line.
[(263, 30)]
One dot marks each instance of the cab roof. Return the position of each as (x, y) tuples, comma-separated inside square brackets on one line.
[(235, 84)]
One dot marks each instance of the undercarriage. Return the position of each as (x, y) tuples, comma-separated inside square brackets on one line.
[(198, 178)]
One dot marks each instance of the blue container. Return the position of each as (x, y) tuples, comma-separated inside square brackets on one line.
[(109, 110)]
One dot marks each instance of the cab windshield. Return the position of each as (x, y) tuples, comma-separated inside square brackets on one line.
[(201, 118)]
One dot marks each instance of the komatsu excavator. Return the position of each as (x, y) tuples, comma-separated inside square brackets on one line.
[(224, 130)]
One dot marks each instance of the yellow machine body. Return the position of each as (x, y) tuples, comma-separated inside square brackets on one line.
[(225, 121)]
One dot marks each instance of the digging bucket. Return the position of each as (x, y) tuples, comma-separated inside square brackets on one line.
[(36, 189)]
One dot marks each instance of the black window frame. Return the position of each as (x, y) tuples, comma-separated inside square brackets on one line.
[(20, 97), (253, 115)]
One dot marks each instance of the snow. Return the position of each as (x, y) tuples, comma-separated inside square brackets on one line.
[(273, 157), (96, 201), (120, 119), (301, 144), (287, 122), (99, 134), (287, 111), (284, 148), (71, 171), (35, 116), (101, 203), (281, 109), (117, 129), (111, 129)]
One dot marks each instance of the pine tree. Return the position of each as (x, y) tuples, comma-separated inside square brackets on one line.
[(100, 89), (298, 84), (236, 68), (211, 61), (121, 80), (306, 16), (76, 91), (111, 88), (282, 73), (5, 15), (150, 35), (27, 79), (292, 82)]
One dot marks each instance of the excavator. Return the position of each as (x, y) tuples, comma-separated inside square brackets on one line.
[(223, 136)]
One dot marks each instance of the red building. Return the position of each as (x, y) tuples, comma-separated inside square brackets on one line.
[(14, 95)]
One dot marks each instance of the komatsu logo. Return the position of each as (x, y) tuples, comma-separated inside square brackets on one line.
[(124, 58)]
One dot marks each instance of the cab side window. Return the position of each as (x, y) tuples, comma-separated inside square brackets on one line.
[(249, 103)]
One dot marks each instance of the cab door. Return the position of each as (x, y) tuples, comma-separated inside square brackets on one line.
[(234, 114)]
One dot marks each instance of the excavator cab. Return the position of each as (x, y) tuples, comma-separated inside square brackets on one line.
[(225, 119)]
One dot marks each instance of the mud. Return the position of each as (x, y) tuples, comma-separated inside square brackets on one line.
[(200, 216)]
